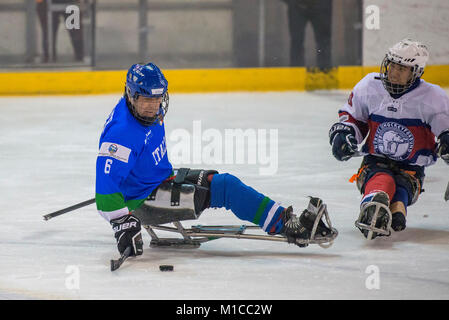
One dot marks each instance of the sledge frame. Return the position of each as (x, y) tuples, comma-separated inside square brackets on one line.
[(194, 236)]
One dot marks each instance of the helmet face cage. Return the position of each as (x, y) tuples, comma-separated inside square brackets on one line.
[(148, 121), (163, 108), (407, 53), (394, 88)]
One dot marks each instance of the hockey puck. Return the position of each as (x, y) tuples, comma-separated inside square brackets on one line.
[(166, 267)]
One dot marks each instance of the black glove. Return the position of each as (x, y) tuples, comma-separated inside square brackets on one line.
[(127, 233), (343, 141), (443, 146)]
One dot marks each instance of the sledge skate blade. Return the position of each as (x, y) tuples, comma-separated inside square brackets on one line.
[(325, 241), (174, 243), (219, 229)]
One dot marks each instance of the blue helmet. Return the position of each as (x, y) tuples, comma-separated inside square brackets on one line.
[(148, 81)]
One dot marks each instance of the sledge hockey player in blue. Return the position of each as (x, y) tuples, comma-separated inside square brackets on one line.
[(135, 180)]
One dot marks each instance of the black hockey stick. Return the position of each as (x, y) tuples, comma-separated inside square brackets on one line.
[(359, 153), (115, 264), (446, 194), (74, 207)]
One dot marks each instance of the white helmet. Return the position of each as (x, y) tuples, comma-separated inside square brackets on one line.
[(408, 53)]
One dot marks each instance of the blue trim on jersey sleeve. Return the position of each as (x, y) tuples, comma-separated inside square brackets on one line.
[(404, 122)]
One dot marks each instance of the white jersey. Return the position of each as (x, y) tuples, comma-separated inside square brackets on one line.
[(402, 129)]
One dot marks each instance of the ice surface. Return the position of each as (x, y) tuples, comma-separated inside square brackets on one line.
[(48, 153)]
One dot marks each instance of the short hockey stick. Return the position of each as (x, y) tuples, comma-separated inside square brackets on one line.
[(115, 264), (74, 207), (446, 194), (359, 153)]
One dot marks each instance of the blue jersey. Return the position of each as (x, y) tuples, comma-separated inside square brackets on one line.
[(131, 162)]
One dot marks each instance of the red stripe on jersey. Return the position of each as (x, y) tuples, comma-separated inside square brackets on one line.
[(363, 127), (350, 98), (423, 138)]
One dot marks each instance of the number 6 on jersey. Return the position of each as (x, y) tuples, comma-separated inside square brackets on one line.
[(107, 166)]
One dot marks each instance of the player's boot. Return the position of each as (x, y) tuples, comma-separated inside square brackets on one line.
[(293, 230), (398, 221), (375, 216), (308, 227)]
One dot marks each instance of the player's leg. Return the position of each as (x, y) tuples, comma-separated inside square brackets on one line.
[(398, 209), (377, 185), (248, 204), (378, 191), (379, 182), (408, 188)]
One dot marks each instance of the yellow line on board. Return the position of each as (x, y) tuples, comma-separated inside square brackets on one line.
[(199, 80)]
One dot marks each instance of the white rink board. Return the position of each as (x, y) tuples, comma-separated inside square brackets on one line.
[(425, 21), (48, 153)]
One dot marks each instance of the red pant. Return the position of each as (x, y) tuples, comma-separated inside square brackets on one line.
[(381, 181)]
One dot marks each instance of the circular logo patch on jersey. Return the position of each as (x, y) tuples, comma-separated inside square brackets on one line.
[(113, 148), (393, 140)]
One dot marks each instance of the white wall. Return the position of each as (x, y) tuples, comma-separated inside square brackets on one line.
[(12, 33), (423, 20)]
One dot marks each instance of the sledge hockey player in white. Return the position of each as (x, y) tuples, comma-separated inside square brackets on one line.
[(397, 115)]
